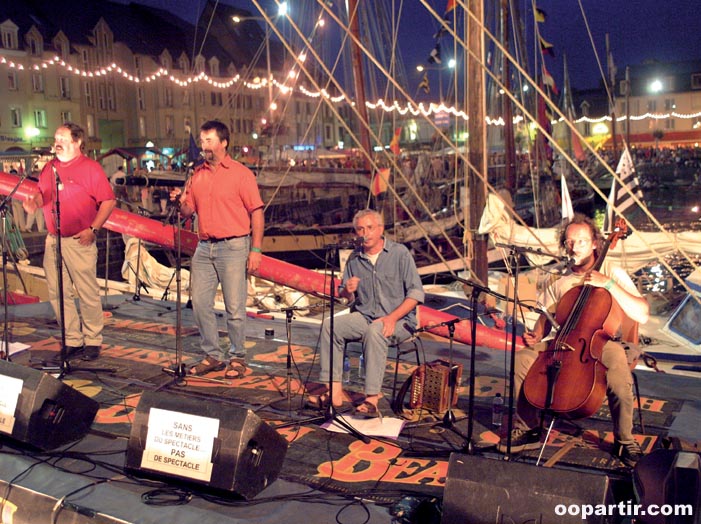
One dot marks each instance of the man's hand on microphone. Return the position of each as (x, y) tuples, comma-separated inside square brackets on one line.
[(176, 195)]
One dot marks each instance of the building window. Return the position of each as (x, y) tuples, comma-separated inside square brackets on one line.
[(186, 98), (696, 81), (37, 82), (66, 116), (35, 47), (12, 82), (15, 117), (168, 97), (651, 106), (199, 64), (111, 98), (87, 90), (90, 124), (64, 84), (202, 98), (170, 125), (216, 99), (9, 37), (85, 58), (101, 101), (142, 99), (40, 119), (669, 123), (669, 104), (142, 127)]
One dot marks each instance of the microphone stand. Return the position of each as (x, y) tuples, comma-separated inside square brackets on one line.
[(286, 403), (331, 415), (514, 251), (5, 351), (106, 306), (177, 370), (65, 366)]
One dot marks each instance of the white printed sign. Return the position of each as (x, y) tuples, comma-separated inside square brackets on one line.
[(11, 388), (180, 444)]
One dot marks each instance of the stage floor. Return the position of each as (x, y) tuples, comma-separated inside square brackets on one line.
[(325, 476)]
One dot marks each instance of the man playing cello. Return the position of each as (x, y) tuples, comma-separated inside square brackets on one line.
[(583, 242)]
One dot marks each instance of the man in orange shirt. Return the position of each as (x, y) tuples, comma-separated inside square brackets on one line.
[(224, 194)]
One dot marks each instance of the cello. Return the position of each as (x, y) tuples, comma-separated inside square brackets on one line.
[(568, 378)]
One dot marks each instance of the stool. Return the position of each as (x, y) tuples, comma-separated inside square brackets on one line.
[(398, 354)]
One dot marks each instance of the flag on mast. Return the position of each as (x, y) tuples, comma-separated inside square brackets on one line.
[(621, 197), (567, 209), (394, 144), (380, 181), (425, 84)]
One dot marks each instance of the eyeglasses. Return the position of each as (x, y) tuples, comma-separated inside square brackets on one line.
[(571, 242)]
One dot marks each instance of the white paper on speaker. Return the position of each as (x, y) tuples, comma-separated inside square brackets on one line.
[(11, 388), (180, 444)]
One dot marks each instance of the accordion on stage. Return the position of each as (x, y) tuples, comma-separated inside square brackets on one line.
[(430, 386)]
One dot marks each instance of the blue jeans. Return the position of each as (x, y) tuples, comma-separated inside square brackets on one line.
[(222, 263)]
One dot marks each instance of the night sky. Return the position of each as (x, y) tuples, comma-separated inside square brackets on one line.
[(639, 30)]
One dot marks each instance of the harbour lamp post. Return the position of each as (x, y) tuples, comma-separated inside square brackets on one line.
[(31, 133)]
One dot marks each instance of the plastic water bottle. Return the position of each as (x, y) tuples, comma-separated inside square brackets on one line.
[(346, 370), (361, 366), (497, 409)]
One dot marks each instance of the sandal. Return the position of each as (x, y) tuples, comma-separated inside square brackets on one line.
[(205, 366), (236, 368), (367, 410), (322, 402)]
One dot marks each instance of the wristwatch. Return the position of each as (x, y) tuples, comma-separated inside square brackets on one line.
[(94, 230)]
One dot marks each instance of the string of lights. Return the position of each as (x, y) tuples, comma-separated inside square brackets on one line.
[(258, 83)]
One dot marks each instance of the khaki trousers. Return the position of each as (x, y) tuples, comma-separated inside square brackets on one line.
[(79, 282)]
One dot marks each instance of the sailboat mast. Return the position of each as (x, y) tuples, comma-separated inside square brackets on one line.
[(359, 80), (477, 131), (612, 96), (509, 144)]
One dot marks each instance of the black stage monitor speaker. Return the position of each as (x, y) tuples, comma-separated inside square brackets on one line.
[(670, 477), (204, 442), (480, 490), (39, 410)]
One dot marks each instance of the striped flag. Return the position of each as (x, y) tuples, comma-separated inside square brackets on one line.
[(425, 84), (621, 196), (380, 181), (546, 47), (394, 144), (567, 209)]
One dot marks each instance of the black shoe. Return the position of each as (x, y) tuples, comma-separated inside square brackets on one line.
[(521, 440), (72, 352), (91, 352), (629, 453)]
